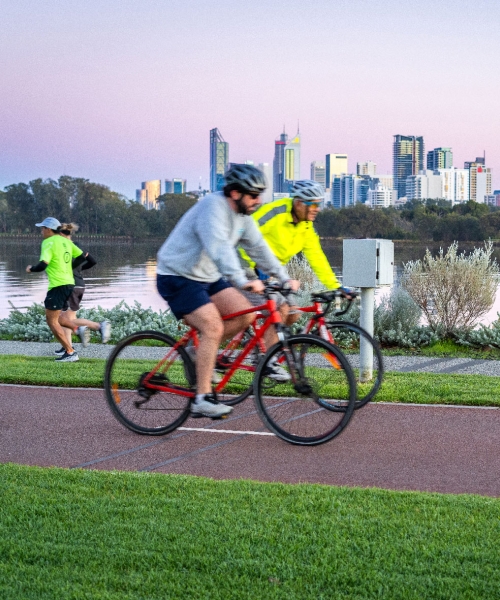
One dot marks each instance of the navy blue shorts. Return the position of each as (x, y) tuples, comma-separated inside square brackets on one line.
[(186, 295)]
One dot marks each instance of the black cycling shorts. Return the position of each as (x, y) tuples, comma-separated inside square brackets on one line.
[(58, 296)]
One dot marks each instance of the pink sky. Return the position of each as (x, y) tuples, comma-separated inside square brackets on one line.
[(123, 91)]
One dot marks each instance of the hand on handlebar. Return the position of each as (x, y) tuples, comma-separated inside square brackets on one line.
[(255, 285), (292, 284), (346, 292)]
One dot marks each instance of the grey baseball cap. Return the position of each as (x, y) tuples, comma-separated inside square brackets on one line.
[(50, 223)]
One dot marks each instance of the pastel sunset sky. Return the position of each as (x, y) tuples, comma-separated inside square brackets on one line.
[(120, 91)]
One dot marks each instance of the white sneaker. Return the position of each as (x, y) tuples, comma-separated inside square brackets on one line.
[(277, 373), (83, 333), (60, 352), (209, 407), (67, 357), (105, 331)]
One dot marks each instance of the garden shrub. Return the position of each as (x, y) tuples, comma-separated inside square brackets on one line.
[(124, 319), (453, 290), (481, 337)]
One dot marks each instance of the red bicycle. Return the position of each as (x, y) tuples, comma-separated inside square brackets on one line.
[(149, 380), (347, 335)]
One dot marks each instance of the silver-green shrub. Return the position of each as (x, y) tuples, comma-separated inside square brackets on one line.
[(396, 321), (482, 336), (453, 290), (124, 319), (396, 318)]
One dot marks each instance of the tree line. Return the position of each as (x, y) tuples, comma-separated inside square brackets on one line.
[(100, 211), (426, 220), (97, 209)]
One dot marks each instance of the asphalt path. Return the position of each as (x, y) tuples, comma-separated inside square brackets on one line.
[(400, 447)]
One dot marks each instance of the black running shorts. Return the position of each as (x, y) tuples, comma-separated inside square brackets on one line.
[(58, 296), (74, 301)]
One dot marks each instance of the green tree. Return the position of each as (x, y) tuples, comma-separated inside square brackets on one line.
[(4, 212), (22, 208)]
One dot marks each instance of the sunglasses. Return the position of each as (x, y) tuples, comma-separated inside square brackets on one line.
[(310, 203), (254, 196)]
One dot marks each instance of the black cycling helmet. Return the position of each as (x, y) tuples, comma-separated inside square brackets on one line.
[(306, 189), (247, 177)]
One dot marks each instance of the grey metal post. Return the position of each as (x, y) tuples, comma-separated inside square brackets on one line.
[(366, 322)]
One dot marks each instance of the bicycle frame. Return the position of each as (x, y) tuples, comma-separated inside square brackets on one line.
[(274, 318), (318, 319)]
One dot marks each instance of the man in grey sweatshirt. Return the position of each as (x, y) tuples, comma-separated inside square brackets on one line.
[(198, 271)]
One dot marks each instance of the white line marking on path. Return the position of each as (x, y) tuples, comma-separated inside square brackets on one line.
[(224, 431)]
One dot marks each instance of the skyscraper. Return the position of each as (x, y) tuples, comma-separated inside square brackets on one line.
[(335, 165), (439, 158), (175, 186), (149, 192), (479, 179), (219, 159), (266, 168), (424, 185), (408, 159), (292, 159), (279, 164), (366, 168), (318, 172)]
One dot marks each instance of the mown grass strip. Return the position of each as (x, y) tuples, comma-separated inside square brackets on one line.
[(418, 388), (90, 534)]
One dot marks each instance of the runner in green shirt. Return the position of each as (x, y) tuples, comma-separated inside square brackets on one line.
[(56, 259)]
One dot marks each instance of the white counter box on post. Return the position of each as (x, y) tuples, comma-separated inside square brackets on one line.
[(367, 264)]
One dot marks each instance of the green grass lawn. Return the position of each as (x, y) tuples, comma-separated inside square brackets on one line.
[(446, 349), (419, 388), (116, 535)]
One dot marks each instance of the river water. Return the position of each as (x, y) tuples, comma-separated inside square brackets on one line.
[(126, 270)]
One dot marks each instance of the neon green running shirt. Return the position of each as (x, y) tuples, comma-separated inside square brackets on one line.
[(58, 252)]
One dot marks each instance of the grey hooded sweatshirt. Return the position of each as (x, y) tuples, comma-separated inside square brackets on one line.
[(202, 245)]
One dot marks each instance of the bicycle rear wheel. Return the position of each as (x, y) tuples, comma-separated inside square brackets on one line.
[(147, 383), (316, 405), (349, 337)]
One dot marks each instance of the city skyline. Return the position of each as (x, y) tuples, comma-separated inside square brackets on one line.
[(122, 92)]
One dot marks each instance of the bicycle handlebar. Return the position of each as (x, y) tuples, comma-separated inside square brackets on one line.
[(274, 287), (328, 296)]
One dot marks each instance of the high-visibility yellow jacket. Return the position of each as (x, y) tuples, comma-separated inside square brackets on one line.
[(287, 239)]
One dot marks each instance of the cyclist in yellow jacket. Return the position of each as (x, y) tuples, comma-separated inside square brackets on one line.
[(287, 226)]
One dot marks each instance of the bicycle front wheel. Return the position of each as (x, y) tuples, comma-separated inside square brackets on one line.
[(349, 337), (317, 402), (147, 383)]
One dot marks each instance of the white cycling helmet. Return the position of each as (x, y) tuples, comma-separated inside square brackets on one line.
[(306, 189)]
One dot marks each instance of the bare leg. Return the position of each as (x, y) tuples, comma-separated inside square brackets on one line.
[(70, 314), (52, 317), (68, 319), (270, 336), (230, 301), (208, 322)]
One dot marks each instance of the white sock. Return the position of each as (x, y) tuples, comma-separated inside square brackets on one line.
[(199, 397)]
